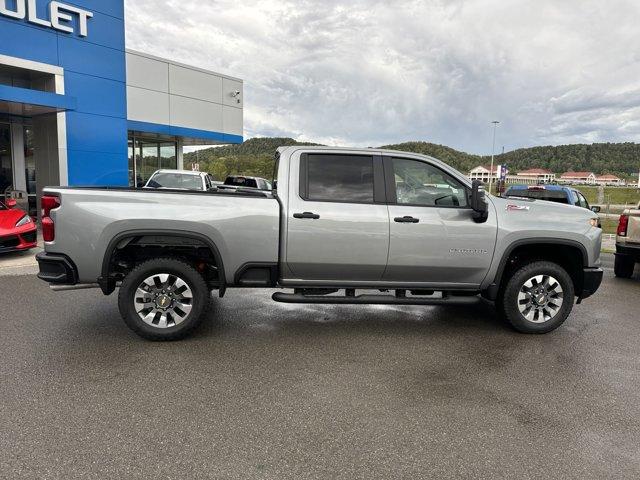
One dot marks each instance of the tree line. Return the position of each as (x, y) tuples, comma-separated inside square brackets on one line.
[(255, 157)]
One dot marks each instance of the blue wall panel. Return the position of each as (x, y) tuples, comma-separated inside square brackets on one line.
[(84, 57), (19, 39), (99, 168), (84, 88), (96, 133)]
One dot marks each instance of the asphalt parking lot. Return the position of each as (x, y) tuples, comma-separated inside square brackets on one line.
[(266, 390)]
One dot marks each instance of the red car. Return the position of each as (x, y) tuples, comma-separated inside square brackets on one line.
[(17, 229)]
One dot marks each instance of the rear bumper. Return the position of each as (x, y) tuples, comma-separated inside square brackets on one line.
[(591, 280), (629, 251), (57, 269)]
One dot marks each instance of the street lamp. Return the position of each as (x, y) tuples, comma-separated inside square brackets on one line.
[(493, 147)]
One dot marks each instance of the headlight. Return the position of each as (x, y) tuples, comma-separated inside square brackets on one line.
[(24, 221), (593, 222)]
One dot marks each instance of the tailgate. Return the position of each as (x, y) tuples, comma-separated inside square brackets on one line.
[(633, 229)]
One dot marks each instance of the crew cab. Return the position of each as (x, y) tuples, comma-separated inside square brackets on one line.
[(341, 226), (627, 243)]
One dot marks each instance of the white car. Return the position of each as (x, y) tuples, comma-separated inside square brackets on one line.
[(180, 180)]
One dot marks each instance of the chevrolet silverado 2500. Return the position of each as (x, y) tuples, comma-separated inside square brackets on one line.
[(338, 224)]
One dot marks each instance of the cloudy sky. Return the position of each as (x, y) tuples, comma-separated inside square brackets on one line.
[(369, 72)]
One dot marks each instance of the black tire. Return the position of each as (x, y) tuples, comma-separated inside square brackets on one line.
[(623, 266), (175, 268), (508, 304)]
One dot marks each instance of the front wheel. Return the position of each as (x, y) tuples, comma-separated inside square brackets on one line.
[(163, 299), (537, 298)]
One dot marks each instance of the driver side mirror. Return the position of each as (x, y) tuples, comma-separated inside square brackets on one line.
[(479, 202), (596, 209), (11, 203)]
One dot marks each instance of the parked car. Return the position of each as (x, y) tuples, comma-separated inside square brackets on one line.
[(180, 180), (552, 193), (335, 222), (627, 243), (18, 231), (233, 182)]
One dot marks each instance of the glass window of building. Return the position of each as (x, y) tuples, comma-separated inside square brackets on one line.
[(30, 170), (148, 155), (6, 170)]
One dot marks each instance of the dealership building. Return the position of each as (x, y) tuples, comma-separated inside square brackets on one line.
[(78, 108)]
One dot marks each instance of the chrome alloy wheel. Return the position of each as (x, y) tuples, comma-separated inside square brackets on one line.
[(163, 300), (540, 298)]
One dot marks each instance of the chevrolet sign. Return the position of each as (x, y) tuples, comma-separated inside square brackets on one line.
[(60, 15)]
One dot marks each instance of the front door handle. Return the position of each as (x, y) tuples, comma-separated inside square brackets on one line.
[(311, 215), (406, 219)]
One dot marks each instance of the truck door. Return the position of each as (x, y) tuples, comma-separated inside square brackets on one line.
[(433, 236), (337, 219)]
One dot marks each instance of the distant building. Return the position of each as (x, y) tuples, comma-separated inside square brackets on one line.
[(483, 173), (609, 180), (536, 175), (532, 176), (578, 177)]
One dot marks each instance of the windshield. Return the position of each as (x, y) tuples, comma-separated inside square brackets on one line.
[(175, 180), (558, 196), (241, 182), (3, 206)]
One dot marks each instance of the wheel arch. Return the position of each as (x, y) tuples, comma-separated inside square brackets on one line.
[(539, 248), (107, 283)]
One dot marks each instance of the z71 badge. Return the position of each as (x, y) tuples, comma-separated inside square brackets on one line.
[(517, 208)]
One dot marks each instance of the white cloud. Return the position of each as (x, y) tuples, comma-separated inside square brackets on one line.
[(374, 72)]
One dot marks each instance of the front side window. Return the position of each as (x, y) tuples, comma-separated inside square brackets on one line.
[(339, 178), (419, 183), (582, 201)]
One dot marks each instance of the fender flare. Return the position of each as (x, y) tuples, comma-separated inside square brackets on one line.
[(107, 284), (492, 289)]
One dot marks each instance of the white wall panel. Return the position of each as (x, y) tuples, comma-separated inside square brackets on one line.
[(190, 113), (148, 106), (195, 84), (147, 73), (230, 86), (232, 120)]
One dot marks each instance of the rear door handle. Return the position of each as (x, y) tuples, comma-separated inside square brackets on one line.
[(311, 215), (406, 219)]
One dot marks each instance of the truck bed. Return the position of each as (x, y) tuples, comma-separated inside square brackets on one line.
[(243, 225)]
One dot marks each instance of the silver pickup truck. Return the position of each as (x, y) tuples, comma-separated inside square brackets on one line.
[(341, 226)]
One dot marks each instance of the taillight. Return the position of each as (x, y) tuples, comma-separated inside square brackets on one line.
[(622, 225), (48, 203)]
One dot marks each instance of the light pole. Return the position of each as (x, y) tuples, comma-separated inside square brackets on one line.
[(493, 148)]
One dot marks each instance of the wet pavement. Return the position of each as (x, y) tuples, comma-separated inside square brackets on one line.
[(266, 390)]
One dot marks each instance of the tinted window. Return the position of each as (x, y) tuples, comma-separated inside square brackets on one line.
[(419, 183), (558, 196), (340, 178), (2, 206), (241, 182), (175, 180)]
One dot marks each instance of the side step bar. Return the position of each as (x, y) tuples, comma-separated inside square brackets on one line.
[(373, 299)]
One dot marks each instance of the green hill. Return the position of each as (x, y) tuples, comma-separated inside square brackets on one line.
[(255, 157)]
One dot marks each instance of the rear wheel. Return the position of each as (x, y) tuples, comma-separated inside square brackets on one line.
[(163, 299), (537, 298), (623, 266)]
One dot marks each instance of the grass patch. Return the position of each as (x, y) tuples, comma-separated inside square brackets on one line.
[(614, 195), (609, 225)]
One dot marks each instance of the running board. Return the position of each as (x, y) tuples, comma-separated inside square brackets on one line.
[(373, 299)]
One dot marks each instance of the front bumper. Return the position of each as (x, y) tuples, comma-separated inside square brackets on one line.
[(57, 269), (19, 242), (591, 280)]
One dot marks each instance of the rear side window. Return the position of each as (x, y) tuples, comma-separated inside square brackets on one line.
[(337, 178), (558, 196), (241, 182)]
